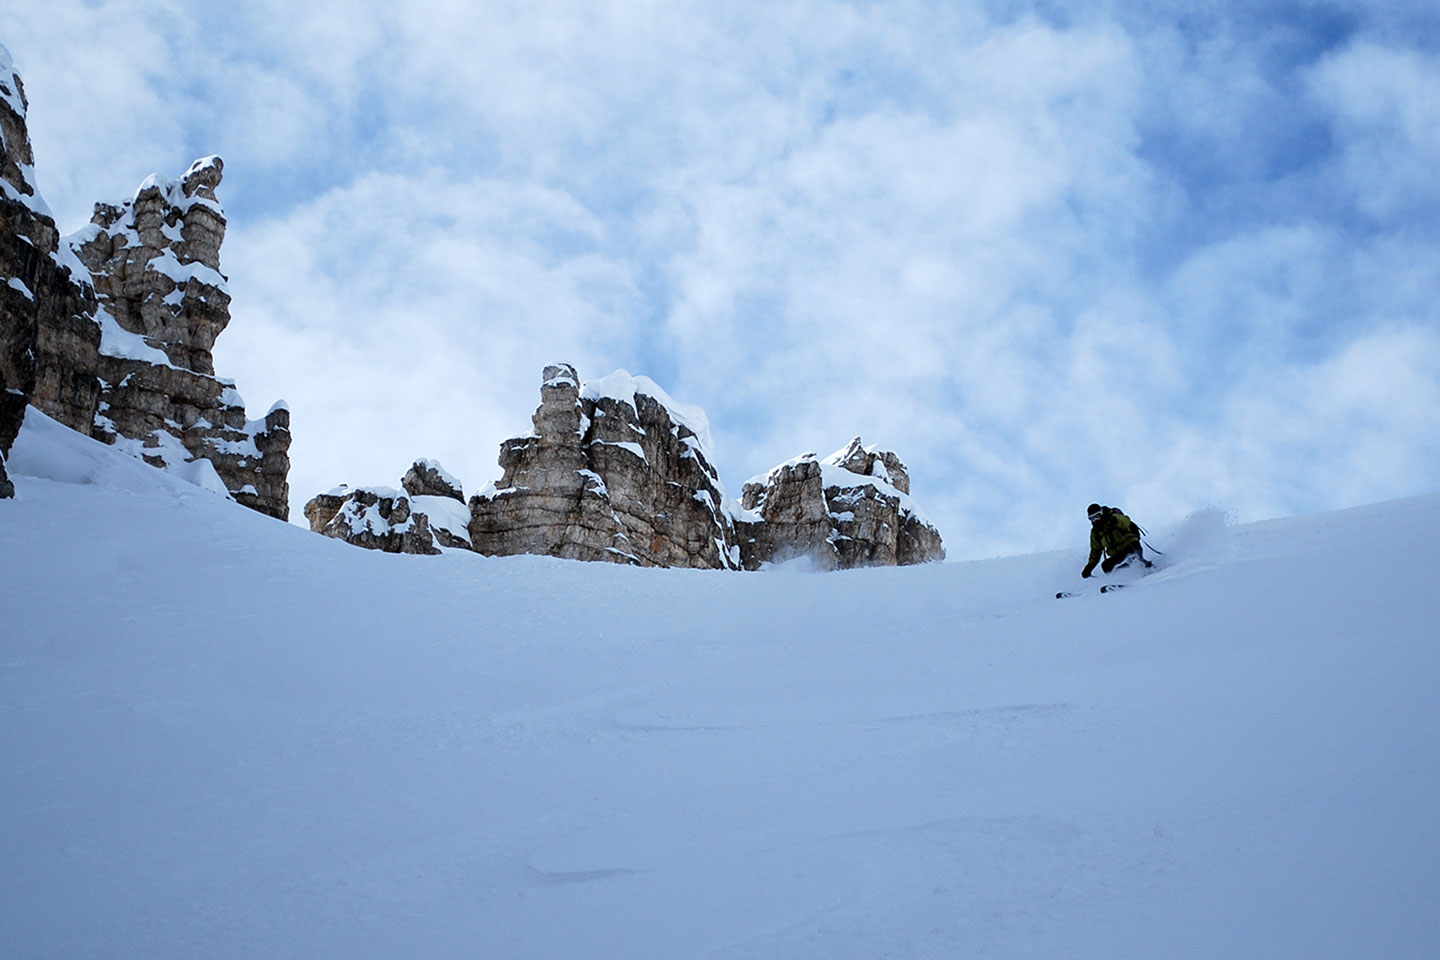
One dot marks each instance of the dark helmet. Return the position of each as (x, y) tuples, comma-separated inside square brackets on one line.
[(1094, 512)]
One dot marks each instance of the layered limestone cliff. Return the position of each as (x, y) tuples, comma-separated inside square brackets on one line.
[(43, 310), (110, 330), (615, 470), (851, 509)]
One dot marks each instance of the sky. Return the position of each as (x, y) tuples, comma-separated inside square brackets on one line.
[(1166, 256)]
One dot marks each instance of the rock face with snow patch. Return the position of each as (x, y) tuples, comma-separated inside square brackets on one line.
[(615, 470), (376, 518), (851, 509), (119, 320)]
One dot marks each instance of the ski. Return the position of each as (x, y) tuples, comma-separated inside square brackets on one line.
[(1107, 588)]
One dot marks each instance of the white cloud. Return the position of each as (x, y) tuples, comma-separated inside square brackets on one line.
[(1386, 103), (1047, 264), (1359, 425)]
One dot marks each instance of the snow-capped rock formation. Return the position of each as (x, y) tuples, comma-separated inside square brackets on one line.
[(376, 518), (615, 470), (431, 511), (124, 314), (851, 509), (162, 301)]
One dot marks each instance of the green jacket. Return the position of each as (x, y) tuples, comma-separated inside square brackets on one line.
[(1114, 535)]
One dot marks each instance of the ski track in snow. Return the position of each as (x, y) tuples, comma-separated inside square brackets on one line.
[(223, 736)]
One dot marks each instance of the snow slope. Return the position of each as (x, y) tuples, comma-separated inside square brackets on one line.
[(222, 736)]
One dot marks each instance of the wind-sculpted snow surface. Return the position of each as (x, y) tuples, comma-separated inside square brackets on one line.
[(348, 754)]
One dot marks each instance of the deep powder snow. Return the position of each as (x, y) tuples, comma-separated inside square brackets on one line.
[(222, 736)]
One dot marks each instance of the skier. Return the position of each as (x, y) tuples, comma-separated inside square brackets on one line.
[(1115, 536)]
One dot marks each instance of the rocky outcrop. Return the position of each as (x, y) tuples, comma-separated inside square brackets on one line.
[(615, 470), (431, 513), (119, 320), (162, 301), (42, 310), (851, 509), (376, 518)]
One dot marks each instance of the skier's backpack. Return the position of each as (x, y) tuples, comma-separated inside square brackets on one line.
[(1123, 521)]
